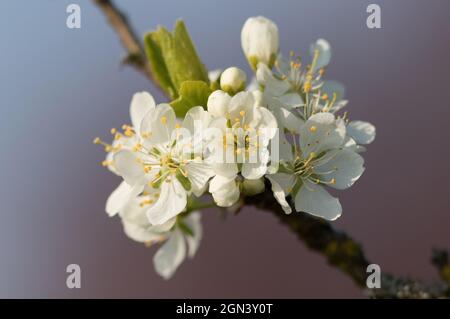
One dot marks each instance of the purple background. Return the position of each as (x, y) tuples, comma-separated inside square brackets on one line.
[(61, 87)]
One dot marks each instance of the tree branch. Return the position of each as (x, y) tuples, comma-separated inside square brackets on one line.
[(339, 248), (345, 253), (135, 52)]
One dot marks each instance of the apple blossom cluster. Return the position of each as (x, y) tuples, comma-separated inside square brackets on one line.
[(284, 131)]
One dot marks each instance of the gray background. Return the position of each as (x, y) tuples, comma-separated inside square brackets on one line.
[(60, 88)]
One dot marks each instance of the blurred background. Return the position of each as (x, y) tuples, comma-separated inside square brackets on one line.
[(62, 87)]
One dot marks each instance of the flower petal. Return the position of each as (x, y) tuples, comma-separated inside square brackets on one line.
[(324, 50), (194, 223), (272, 86), (345, 167), (361, 132), (218, 103), (118, 198), (172, 200), (315, 200), (170, 256), (141, 103), (241, 102), (321, 132), (140, 233), (199, 174), (158, 125), (282, 185), (224, 190), (127, 166)]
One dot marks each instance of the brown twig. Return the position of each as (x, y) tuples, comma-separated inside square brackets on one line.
[(135, 53), (344, 252)]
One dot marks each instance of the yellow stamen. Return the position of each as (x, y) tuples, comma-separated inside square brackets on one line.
[(313, 129)]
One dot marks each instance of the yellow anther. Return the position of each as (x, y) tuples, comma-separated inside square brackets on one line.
[(242, 113), (322, 71), (107, 163), (177, 125), (137, 147), (312, 154), (313, 129), (325, 97), (307, 87), (237, 120), (113, 131), (164, 120), (108, 148), (146, 134), (146, 202), (97, 140), (117, 136), (147, 169), (238, 151), (333, 181)]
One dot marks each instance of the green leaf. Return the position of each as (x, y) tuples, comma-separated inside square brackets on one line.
[(192, 93), (157, 63), (173, 58)]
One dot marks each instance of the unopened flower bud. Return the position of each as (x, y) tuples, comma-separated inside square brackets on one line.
[(259, 39), (233, 80)]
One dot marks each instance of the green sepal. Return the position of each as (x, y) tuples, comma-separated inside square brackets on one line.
[(185, 182), (184, 227)]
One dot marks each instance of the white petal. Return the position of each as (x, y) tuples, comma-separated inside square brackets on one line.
[(361, 132), (226, 170), (345, 167), (243, 101), (158, 125), (315, 200), (141, 103), (282, 185), (196, 119), (127, 166), (118, 199), (288, 120), (324, 49), (224, 190), (171, 254), (214, 75), (194, 223), (272, 86), (265, 121), (218, 103), (291, 100), (256, 170), (199, 174), (321, 132), (141, 234), (172, 200), (333, 87)]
